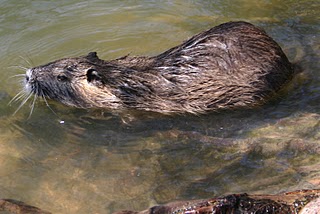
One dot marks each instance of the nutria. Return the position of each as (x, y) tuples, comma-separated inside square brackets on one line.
[(232, 65)]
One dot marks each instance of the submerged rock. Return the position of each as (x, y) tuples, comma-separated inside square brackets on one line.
[(301, 201), (18, 207), (306, 201), (313, 207)]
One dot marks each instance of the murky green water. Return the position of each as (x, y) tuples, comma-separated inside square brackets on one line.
[(96, 163)]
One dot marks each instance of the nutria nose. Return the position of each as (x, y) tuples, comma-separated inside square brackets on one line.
[(28, 75)]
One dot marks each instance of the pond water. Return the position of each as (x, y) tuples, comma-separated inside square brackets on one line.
[(79, 161)]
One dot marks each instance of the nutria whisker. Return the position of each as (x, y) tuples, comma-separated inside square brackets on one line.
[(233, 65), (32, 105), (25, 96), (19, 67), (18, 75), (47, 104), (29, 62), (18, 96), (25, 99)]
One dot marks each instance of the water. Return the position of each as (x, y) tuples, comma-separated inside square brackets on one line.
[(98, 162)]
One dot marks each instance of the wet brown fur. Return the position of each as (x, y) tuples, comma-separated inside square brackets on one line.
[(233, 65)]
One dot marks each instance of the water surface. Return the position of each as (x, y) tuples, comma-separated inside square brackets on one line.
[(99, 162)]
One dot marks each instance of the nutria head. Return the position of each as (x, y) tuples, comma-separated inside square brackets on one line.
[(72, 81)]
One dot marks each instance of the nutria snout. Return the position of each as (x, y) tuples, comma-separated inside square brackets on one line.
[(232, 65)]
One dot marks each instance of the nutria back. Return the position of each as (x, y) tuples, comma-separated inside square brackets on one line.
[(233, 65)]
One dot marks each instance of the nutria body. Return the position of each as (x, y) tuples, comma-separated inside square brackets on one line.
[(229, 66)]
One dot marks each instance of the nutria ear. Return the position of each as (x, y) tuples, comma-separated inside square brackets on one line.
[(92, 56), (92, 75)]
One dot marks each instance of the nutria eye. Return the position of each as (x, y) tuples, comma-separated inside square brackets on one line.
[(62, 77)]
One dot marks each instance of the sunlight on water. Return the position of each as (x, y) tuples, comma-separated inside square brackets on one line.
[(78, 161)]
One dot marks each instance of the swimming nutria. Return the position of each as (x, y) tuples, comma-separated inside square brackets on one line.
[(229, 66)]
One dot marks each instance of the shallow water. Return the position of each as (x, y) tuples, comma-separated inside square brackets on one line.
[(98, 162)]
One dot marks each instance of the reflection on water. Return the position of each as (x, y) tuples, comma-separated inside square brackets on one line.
[(98, 162)]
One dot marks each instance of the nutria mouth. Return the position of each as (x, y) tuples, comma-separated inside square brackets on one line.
[(233, 65)]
